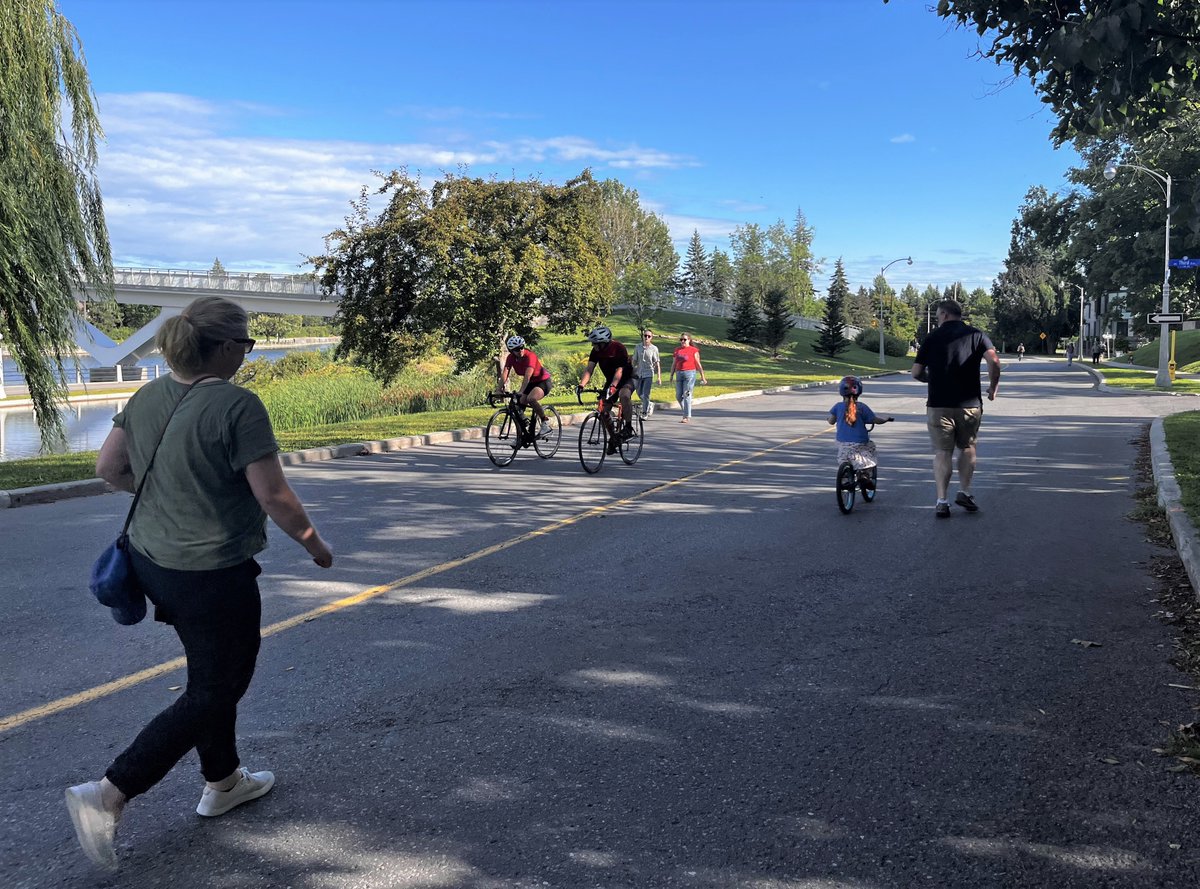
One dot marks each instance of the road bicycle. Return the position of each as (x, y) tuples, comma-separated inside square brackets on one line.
[(598, 429), (850, 483), (512, 427)]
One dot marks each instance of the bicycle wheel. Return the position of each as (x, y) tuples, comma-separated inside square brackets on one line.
[(631, 447), (593, 442), (547, 446), (867, 489), (846, 483), (501, 438)]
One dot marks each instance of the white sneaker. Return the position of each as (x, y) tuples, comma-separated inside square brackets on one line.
[(251, 785), (546, 431), (94, 826)]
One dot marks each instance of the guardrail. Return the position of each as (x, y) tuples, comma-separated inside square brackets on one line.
[(240, 282)]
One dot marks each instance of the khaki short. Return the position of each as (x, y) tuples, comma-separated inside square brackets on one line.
[(953, 427)]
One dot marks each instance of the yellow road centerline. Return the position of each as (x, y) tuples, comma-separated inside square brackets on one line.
[(95, 693)]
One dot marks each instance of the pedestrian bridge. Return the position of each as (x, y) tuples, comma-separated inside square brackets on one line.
[(174, 289)]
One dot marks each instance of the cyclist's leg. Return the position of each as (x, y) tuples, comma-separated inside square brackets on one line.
[(533, 397), (626, 396)]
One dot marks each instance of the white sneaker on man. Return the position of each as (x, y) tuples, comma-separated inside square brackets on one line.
[(251, 785), (546, 430)]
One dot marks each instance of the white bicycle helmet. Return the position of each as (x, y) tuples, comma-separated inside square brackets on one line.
[(600, 335), (515, 342)]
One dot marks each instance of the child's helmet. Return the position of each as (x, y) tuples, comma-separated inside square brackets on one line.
[(850, 386)]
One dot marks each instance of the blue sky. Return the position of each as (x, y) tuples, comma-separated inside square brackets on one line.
[(242, 130)]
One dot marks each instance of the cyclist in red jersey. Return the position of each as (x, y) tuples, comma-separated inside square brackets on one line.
[(613, 359), (535, 379)]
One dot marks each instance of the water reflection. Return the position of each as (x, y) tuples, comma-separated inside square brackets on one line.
[(86, 427)]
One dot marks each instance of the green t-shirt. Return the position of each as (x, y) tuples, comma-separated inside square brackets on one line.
[(197, 511)]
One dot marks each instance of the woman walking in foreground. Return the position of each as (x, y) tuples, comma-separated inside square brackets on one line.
[(201, 520)]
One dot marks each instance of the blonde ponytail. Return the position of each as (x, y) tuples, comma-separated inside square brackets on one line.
[(187, 340)]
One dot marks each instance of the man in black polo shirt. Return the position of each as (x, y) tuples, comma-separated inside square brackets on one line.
[(948, 361)]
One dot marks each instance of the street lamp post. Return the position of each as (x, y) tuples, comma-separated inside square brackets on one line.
[(1163, 377), (908, 259), (1079, 287)]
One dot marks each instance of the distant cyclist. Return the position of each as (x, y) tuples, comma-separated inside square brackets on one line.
[(535, 379), (614, 362)]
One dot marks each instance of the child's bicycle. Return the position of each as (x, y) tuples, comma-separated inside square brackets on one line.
[(512, 428), (599, 426), (851, 481)]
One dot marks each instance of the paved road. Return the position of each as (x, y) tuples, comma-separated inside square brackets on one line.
[(712, 679)]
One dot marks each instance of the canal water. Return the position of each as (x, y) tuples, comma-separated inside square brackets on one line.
[(87, 423)]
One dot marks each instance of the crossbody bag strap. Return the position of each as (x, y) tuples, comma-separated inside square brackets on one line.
[(145, 475)]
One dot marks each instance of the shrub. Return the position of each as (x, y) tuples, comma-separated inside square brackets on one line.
[(892, 345)]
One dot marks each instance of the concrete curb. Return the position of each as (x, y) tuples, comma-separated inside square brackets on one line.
[(1169, 497), (90, 487)]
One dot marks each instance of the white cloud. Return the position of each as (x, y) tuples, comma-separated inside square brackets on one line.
[(903, 139), (179, 189)]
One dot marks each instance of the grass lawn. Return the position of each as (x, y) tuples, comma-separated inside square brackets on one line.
[(1187, 352), (1129, 378), (730, 367), (1183, 441)]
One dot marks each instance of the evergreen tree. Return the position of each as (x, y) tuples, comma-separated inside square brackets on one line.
[(218, 269), (695, 273), (777, 320), (832, 339), (720, 276), (858, 309), (746, 325)]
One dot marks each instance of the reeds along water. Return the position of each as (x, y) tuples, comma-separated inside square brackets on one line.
[(340, 394)]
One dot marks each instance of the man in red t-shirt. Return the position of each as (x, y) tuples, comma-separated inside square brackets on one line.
[(613, 359), (535, 379)]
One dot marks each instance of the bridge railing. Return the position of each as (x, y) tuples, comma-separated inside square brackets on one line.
[(293, 285)]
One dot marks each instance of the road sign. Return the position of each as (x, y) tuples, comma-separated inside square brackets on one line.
[(1041, 336), (1164, 317), (1184, 263)]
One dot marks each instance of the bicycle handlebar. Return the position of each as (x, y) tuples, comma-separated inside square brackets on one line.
[(579, 390), (495, 398)]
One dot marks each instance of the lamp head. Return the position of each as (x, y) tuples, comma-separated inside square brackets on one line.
[(910, 260), (1110, 170)]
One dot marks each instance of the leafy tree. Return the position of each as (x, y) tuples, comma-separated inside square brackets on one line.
[(634, 234), (790, 263), (720, 276), (639, 291), (1028, 294), (53, 240), (463, 265), (746, 324), (832, 339), (270, 326), (695, 276), (777, 320), (1132, 65), (749, 262)]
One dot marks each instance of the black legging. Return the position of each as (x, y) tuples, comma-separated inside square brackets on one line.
[(216, 615)]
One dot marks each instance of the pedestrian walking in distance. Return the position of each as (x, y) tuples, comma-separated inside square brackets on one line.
[(949, 362), (201, 520)]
